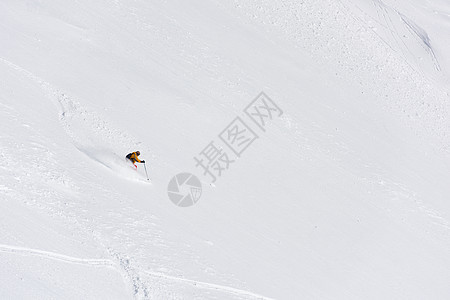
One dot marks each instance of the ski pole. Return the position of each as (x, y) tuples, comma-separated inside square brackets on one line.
[(146, 171)]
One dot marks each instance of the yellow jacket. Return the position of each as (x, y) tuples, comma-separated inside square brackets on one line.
[(134, 157)]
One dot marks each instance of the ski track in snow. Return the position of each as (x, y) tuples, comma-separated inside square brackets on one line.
[(55, 256), (397, 28), (125, 270), (77, 120), (74, 117), (211, 286)]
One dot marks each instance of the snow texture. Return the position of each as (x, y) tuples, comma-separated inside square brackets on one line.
[(343, 196)]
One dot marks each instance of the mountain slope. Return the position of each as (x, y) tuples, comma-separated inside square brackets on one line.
[(342, 196)]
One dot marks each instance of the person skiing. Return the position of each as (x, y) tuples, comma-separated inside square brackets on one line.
[(133, 157)]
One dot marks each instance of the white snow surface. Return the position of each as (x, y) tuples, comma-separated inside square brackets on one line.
[(345, 196)]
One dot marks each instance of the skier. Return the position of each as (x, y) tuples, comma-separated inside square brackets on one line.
[(133, 157)]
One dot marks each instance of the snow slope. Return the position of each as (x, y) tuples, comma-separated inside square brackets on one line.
[(345, 196)]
